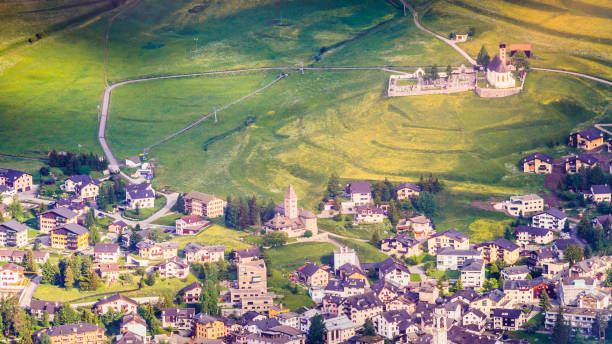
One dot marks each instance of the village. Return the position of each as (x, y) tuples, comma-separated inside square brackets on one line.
[(550, 272)]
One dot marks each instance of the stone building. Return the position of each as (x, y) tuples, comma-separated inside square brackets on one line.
[(290, 219)]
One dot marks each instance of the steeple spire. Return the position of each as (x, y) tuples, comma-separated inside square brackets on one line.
[(290, 204)]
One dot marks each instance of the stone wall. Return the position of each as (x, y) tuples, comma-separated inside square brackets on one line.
[(500, 92)]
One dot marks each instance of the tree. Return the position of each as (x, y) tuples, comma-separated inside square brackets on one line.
[(45, 319), (137, 210), (150, 280), (426, 204), (545, 302), (483, 58), (308, 234), (508, 234), (44, 339), (451, 35), (209, 297), (180, 204), (459, 285), (94, 235), (434, 72), (393, 213), (50, 273), (244, 219), (561, 331), (317, 331), (332, 186), (519, 60), (368, 328), (135, 238), (30, 264), (68, 277), (573, 254), (274, 239), (471, 31), (65, 315), (375, 239)]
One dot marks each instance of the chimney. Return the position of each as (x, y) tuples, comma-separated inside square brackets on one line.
[(502, 52)]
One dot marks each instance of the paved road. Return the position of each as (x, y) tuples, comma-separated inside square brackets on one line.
[(415, 16), (344, 237), (582, 75), (28, 292)]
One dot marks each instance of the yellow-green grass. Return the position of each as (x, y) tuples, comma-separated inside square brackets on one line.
[(279, 285), (158, 38), (322, 122), (168, 220), (216, 235), (358, 232), (544, 24), (145, 213), (162, 286), (290, 257), (366, 251)]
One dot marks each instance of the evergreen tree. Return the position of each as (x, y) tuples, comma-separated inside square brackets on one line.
[(94, 235), (561, 331), (519, 60), (545, 302), (254, 211), (459, 285), (393, 213), (50, 273), (243, 215), (45, 319), (180, 204), (332, 186), (44, 339), (573, 254), (508, 234), (375, 239), (68, 277), (150, 280), (30, 264), (483, 58), (317, 331), (426, 204), (65, 315), (368, 328), (209, 297)]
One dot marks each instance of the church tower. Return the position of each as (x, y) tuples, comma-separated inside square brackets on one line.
[(291, 203), (502, 53), (439, 333)]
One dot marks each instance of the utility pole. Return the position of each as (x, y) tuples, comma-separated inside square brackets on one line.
[(302, 66), (195, 40), (215, 111), (403, 3)]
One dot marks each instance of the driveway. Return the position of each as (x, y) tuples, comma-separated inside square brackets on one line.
[(28, 292)]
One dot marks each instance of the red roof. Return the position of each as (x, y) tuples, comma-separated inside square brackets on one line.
[(191, 219), (520, 47)]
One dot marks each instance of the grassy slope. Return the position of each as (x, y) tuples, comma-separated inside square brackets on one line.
[(215, 235), (547, 25)]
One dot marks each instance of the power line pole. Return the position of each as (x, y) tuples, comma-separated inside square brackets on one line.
[(215, 111), (302, 66)]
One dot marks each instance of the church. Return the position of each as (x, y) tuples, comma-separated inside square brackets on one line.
[(290, 219), (498, 74)]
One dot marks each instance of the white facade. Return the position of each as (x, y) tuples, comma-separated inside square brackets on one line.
[(548, 221), (522, 205), (448, 259)]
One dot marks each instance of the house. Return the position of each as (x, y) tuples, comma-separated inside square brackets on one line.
[(117, 227), (349, 271), (570, 288), (597, 299), (345, 255), (150, 249), (488, 301), (551, 218), (574, 163), (196, 253), (407, 190), (290, 219), (402, 245), (15, 256), (13, 234), (339, 329), (533, 235), (498, 73), (450, 238), (117, 303), (523, 205), (190, 225), (191, 293), (521, 291), (290, 319), (135, 324), (586, 139), (580, 319), (133, 161), (174, 267), (394, 271), (451, 259), (561, 244), (56, 217), (420, 225), (109, 272), (8, 196), (360, 193), (537, 163), (178, 318), (526, 48), (4, 211), (345, 288), (358, 308), (208, 327), (387, 324), (252, 275), (73, 334), (473, 273), (386, 291), (475, 318), (17, 180), (39, 307), (247, 255), (201, 204), (70, 237), (513, 273), (600, 221), (140, 196), (106, 253), (499, 249), (312, 274), (507, 319), (595, 267), (83, 186), (369, 213), (599, 193)]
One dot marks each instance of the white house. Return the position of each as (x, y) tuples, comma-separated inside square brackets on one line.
[(498, 73), (522, 205), (133, 323), (450, 259), (140, 195), (174, 268), (526, 235), (360, 193), (551, 218), (394, 271), (387, 324), (515, 273), (473, 273), (369, 214)]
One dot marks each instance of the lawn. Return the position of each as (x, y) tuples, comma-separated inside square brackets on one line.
[(358, 232), (290, 257), (279, 285), (367, 253), (145, 213), (168, 220), (216, 235)]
